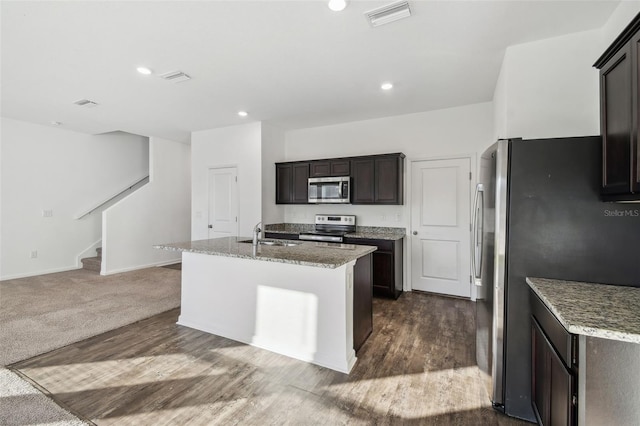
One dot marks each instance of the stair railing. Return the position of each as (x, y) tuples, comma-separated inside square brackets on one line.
[(114, 198)]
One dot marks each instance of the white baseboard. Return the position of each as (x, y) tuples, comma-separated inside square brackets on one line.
[(36, 273)]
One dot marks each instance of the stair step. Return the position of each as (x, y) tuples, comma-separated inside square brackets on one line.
[(99, 251), (92, 263)]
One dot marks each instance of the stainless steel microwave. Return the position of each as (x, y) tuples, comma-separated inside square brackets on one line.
[(330, 190)]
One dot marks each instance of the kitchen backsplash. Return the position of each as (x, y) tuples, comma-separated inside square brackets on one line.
[(382, 216)]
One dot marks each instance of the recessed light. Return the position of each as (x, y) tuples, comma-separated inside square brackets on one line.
[(337, 5), (386, 86), (243, 113), (144, 70)]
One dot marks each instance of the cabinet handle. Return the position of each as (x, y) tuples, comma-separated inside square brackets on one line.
[(210, 226), (415, 232)]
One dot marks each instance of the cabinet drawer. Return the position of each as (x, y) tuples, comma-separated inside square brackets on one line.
[(281, 236), (560, 338)]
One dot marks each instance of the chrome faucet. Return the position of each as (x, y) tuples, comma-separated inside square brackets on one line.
[(256, 233)]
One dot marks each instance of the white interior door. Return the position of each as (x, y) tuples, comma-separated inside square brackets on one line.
[(440, 226), (223, 202)]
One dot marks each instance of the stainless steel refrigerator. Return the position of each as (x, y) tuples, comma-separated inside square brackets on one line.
[(538, 213)]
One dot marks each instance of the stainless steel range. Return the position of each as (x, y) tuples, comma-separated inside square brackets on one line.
[(331, 228)]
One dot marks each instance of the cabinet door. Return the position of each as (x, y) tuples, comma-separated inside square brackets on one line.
[(340, 167), (329, 168), (561, 394), (540, 385), (292, 183), (616, 120), (300, 183), (552, 384), (388, 188), (383, 282), (284, 174), (363, 181), (320, 168)]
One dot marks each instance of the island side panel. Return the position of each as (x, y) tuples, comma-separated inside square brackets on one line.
[(300, 311), (608, 382)]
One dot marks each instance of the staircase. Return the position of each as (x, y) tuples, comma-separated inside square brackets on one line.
[(93, 263)]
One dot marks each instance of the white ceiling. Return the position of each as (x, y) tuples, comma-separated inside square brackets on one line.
[(295, 64)]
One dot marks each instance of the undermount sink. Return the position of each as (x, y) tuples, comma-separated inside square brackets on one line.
[(280, 243)]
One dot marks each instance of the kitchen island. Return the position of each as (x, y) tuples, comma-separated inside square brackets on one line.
[(293, 298), (586, 352), (388, 259)]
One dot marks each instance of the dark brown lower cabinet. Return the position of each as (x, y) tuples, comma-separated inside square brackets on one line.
[(387, 265), (553, 384), (362, 301)]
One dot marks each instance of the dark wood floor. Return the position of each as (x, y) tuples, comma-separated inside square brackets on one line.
[(416, 368)]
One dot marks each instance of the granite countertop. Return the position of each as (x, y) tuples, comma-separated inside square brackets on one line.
[(368, 232), (598, 310), (321, 255)]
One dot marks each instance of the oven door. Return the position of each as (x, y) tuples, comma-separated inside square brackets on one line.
[(329, 190)]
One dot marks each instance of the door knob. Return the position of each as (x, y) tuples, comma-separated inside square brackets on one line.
[(415, 232)]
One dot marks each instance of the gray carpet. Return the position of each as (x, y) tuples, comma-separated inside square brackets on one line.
[(39, 314), (46, 312), (22, 404)]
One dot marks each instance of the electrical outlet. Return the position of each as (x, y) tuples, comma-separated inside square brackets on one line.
[(198, 215), (47, 213), (383, 218), (398, 218), (33, 254)]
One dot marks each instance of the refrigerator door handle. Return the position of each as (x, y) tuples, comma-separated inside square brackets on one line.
[(478, 219)]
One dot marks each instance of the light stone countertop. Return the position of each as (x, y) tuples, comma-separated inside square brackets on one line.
[(317, 254), (378, 234), (598, 310), (366, 232)]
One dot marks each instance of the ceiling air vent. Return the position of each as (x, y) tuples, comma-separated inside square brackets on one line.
[(175, 77), (86, 103), (389, 13)]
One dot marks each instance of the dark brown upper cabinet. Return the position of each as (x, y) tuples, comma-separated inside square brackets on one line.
[(362, 173), (378, 179), (292, 183), (375, 179), (619, 69), (325, 168)]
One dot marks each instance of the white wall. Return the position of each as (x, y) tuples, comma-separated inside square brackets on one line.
[(549, 88), (45, 168), (157, 213), (273, 151), (619, 19), (458, 131), (235, 146), (500, 104)]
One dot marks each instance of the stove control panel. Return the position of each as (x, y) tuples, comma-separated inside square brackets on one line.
[(323, 219)]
